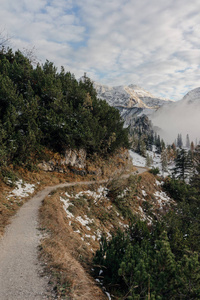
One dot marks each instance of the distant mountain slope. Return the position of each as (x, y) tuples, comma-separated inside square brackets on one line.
[(192, 97), (131, 100), (128, 96)]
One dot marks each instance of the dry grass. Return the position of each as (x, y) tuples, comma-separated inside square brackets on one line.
[(68, 248), (68, 254), (64, 251), (8, 207)]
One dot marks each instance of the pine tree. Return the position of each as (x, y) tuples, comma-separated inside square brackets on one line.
[(158, 144), (164, 160), (192, 147), (164, 282), (179, 141), (188, 279), (149, 160), (183, 165), (195, 180), (142, 146), (187, 144)]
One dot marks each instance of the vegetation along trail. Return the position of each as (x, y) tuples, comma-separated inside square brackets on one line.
[(20, 270)]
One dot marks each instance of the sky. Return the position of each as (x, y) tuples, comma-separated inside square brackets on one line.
[(151, 43)]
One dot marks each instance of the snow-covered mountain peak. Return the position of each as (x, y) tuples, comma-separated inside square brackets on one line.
[(139, 91), (192, 96), (128, 96)]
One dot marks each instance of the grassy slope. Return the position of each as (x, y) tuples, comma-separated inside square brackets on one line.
[(69, 246), (96, 166)]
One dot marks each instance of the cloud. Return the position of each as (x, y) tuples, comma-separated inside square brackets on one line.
[(181, 117), (151, 43)]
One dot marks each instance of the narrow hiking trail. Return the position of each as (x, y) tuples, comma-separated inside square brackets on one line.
[(20, 271)]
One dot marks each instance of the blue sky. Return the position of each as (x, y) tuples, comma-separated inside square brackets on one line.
[(154, 44)]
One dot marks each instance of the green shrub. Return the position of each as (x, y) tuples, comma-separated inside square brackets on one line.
[(154, 171)]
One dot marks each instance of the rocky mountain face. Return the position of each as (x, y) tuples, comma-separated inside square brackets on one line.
[(128, 96), (132, 101), (168, 117)]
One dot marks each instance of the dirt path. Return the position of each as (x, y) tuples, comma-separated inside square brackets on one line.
[(20, 271)]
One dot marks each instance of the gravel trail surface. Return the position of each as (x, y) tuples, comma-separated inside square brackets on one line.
[(20, 270), (19, 267)]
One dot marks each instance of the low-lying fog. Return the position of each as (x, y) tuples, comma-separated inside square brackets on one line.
[(179, 117)]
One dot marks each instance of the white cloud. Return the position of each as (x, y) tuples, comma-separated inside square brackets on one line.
[(151, 43)]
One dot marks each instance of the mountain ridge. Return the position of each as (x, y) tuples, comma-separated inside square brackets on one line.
[(128, 96), (168, 117)]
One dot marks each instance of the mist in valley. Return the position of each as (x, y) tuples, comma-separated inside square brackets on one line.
[(181, 117)]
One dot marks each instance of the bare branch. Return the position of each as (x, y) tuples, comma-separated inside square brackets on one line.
[(30, 54), (4, 38)]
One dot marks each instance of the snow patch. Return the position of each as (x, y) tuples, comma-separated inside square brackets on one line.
[(22, 189), (100, 193), (85, 221), (137, 159), (144, 193), (66, 205)]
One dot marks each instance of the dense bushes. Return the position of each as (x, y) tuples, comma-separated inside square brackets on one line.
[(141, 264), (157, 261), (40, 107)]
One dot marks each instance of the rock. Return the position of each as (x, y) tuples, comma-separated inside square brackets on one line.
[(72, 158), (75, 158), (78, 172)]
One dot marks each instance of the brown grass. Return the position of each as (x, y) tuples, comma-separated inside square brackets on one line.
[(68, 258), (9, 207), (63, 251), (68, 253)]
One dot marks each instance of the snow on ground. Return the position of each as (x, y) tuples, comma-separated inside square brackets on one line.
[(84, 221), (137, 159), (22, 189), (162, 195), (100, 193), (162, 198), (140, 161), (144, 192), (123, 193), (66, 205)]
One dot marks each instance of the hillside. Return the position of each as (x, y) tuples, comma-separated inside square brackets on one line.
[(96, 231), (77, 219), (44, 110), (80, 215), (110, 230)]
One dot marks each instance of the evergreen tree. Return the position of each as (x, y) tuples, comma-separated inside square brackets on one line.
[(164, 160), (179, 141), (192, 147), (42, 108), (142, 146), (187, 144), (183, 165), (149, 160), (158, 143), (195, 180)]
